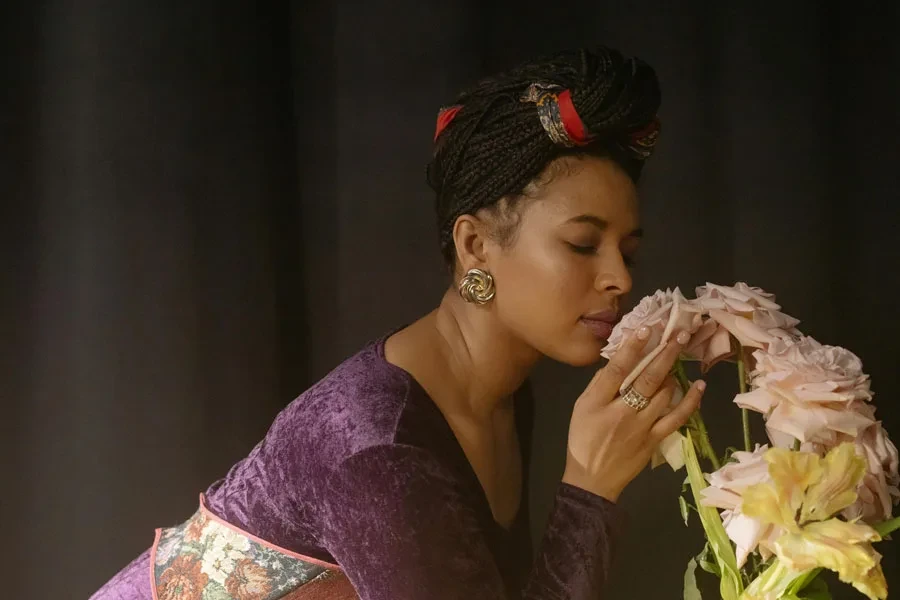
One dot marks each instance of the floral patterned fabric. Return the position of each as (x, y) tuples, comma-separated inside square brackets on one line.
[(206, 558)]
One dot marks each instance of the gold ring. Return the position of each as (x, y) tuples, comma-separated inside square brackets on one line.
[(635, 399)]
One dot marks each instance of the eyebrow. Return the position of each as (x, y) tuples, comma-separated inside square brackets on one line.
[(602, 224)]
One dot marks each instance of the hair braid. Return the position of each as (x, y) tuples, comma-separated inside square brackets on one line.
[(496, 143)]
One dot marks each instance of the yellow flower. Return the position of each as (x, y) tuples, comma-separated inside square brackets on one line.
[(836, 491), (839, 546), (805, 492)]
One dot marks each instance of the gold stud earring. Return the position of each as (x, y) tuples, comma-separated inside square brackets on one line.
[(477, 287)]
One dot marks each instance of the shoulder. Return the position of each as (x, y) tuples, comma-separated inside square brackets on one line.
[(364, 403), (357, 405)]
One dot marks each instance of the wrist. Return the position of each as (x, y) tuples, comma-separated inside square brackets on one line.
[(577, 479)]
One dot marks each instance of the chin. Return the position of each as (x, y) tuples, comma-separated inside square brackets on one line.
[(579, 352), (582, 360)]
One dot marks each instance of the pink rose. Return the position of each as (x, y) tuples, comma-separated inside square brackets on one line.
[(751, 302), (805, 391), (709, 344), (747, 313), (725, 491), (879, 490), (664, 312)]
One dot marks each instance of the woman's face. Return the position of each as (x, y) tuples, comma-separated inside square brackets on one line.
[(562, 280)]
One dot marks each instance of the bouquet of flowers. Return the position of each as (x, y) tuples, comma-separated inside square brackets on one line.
[(818, 493)]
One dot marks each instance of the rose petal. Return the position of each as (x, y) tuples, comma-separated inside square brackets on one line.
[(798, 422), (764, 299), (700, 337), (745, 532), (719, 498), (739, 306), (636, 371), (759, 400), (744, 330), (671, 449), (718, 349), (779, 439), (844, 421)]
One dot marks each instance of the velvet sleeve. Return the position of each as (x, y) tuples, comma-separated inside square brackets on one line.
[(396, 520)]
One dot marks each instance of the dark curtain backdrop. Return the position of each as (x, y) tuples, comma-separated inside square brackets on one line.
[(207, 205)]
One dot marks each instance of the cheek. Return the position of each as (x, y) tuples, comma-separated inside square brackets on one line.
[(545, 283)]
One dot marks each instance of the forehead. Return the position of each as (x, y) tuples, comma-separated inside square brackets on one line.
[(589, 185)]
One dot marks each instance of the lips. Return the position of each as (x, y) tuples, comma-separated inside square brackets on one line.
[(601, 323), (600, 329), (609, 316)]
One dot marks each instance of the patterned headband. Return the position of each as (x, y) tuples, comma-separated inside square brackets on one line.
[(560, 120), (557, 114)]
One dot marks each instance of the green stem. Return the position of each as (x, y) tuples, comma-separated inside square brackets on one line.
[(745, 414), (696, 421), (707, 445), (681, 376), (886, 527)]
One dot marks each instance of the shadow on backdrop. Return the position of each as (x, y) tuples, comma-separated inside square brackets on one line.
[(206, 206)]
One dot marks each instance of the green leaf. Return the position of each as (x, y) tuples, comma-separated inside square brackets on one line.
[(686, 483), (729, 451), (685, 511), (707, 562), (886, 527), (804, 580), (817, 590), (691, 591), (730, 583)]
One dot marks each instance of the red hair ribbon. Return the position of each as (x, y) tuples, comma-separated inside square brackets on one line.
[(571, 121), (445, 115)]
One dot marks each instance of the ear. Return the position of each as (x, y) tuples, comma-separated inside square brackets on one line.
[(470, 239)]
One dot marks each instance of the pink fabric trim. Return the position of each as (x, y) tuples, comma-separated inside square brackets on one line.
[(153, 564), (205, 510)]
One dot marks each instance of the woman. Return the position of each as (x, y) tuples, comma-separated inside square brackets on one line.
[(400, 474)]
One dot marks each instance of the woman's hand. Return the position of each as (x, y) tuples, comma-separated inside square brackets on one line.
[(611, 442)]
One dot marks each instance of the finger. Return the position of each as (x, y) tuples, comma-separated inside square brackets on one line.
[(659, 402), (681, 413), (605, 383), (652, 377)]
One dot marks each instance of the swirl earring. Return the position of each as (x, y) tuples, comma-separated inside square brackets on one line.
[(477, 287)]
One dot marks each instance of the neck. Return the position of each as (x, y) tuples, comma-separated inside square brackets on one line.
[(487, 363)]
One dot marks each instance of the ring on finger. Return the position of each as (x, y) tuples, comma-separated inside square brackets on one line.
[(635, 399)]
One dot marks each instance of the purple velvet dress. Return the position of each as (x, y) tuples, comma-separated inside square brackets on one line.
[(362, 471)]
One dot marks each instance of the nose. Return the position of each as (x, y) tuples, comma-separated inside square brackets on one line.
[(613, 276)]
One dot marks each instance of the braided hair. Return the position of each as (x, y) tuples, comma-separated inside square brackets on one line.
[(499, 135)]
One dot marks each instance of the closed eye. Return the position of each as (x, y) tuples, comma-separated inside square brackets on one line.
[(629, 260), (582, 249)]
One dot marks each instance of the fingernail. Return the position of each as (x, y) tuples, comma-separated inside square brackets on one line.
[(701, 385), (643, 333), (683, 337)]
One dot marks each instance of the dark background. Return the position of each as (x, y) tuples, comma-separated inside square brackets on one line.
[(205, 206)]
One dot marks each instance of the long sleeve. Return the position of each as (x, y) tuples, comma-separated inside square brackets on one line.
[(399, 524)]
